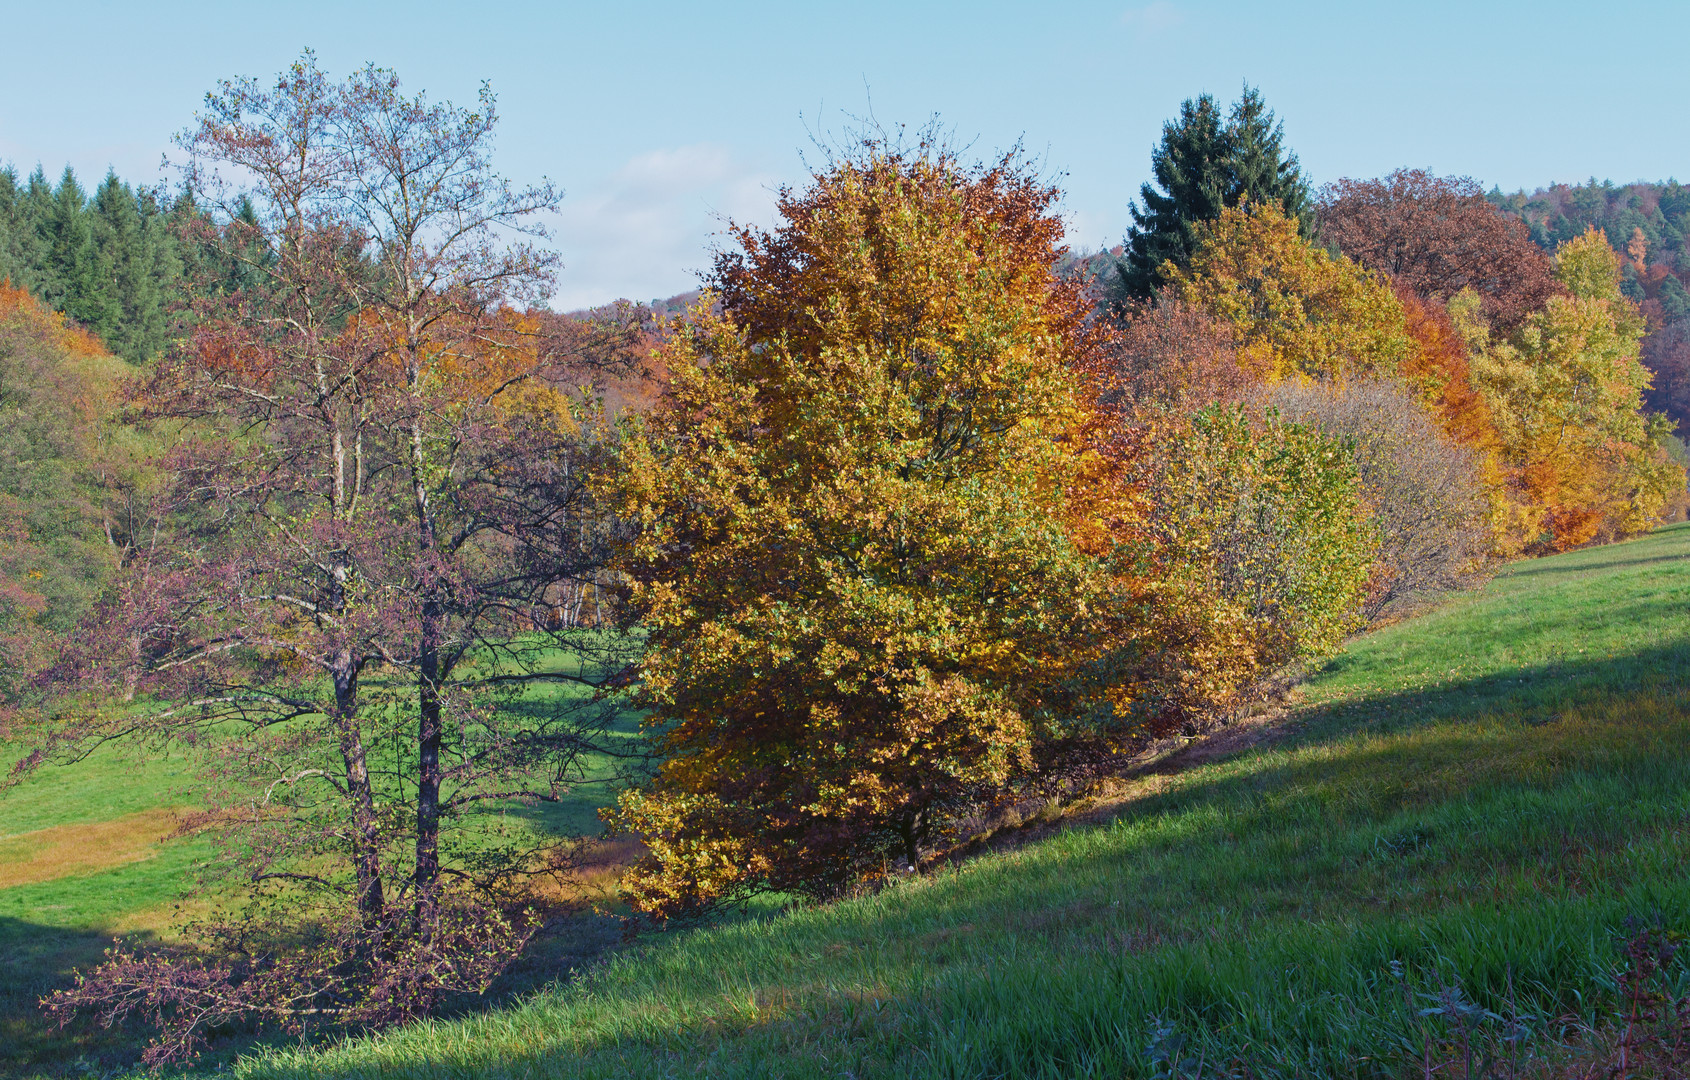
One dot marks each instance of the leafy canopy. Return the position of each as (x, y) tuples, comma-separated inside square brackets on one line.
[(871, 561), (1566, 393), (1297, 309)]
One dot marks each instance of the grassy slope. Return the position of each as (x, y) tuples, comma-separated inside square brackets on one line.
[(48, 926), (103, 826), (1483, 792)]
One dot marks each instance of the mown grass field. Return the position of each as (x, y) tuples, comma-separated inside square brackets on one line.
[(1477, 798)]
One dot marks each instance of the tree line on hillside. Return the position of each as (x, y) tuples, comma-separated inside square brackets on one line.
[(112, 261), (902, 527), (1647, 224)]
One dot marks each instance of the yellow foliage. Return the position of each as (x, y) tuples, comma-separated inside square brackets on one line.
[(1297, 309), (1566, 396), (873, 555)]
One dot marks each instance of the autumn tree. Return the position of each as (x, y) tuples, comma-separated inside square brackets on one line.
[(873, 560), (1295, 308), (1436, 236), (1205, 165), (380, 478), (1666, 353), (1258, 546), (1565, 393)]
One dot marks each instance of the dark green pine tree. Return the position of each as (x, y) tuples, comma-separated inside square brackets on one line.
[(23, 248), (1201, 167), (1674, 298), (161, 251), (1262, 170), (72, 279), (11, 226), (137, 267), (112, 264)]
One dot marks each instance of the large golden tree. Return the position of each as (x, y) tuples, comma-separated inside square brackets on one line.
[(876, 549)]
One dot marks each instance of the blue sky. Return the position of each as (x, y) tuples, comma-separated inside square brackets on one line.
[(659, 119)]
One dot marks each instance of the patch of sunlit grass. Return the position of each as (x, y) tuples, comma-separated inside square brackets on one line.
[(83, 848)]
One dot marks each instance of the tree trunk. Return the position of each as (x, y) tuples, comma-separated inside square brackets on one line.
[(366, 828), (427, 871), (911, 829), (132, 674)]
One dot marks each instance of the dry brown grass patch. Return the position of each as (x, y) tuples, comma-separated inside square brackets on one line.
[(84, 848)]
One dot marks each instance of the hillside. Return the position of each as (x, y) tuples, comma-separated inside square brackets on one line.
[(1477, 799)]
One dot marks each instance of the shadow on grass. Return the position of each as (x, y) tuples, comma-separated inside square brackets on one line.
[(35, 960), (1591, 567), (1493, 830)]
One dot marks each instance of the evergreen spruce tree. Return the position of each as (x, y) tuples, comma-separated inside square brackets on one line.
[(23, 251), (157, 257), (1262, 169), (133, 262), (1203, 166), (71, 278), (11, 266), (112, 263)]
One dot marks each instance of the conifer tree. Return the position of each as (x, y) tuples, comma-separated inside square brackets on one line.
[(111, 264), (71, 281), (136, 267), (22, 208), (1203, 167), (11, 265)]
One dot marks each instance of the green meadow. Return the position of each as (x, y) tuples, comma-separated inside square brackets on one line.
[(1486, 799), (90, 852)]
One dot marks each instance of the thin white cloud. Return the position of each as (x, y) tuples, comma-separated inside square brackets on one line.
[(1153, 17), (645, 231)]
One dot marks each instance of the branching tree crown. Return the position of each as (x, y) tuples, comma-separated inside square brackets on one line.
[(871, 561), (1437, 236), (379, 482)]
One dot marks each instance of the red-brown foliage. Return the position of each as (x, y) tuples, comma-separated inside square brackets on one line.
[(1438, 235), (379, 466), (1666, 353), (1173, 356)]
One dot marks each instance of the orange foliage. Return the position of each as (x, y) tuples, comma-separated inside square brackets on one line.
[(48, 325), (1441, 368)]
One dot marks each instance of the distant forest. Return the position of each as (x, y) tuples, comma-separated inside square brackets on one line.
[(115, 260), (112, 261), (1649, 224)]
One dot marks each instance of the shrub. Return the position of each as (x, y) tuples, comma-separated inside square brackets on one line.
[(1425, 492), (1265, 552)]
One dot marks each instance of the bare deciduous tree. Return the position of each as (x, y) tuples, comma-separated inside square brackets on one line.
[(381, 474)]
